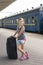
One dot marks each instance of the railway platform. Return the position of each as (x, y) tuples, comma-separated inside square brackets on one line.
[(34, 46)]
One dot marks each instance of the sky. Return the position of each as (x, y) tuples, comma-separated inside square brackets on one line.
[(19, 5)]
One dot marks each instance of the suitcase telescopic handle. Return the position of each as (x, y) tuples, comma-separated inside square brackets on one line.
[(13, 36)]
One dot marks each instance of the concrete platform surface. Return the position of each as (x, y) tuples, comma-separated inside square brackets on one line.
[(34, 46)]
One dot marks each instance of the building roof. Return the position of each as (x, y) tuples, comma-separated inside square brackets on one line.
[(5, 3)]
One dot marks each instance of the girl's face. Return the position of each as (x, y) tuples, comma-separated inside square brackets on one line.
[(21, 23)]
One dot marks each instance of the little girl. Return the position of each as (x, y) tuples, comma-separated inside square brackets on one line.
[(21, 39)]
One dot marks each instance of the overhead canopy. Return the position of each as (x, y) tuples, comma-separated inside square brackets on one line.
[(5, 3)]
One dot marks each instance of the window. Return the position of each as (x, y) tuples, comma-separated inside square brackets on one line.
[(7, 21), (37, 19), (4, 22), (16, 21), (28, 20), (12, 21), (41, 13), (33, 21)]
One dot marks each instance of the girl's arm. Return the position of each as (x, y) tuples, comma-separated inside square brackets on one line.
[(15, 32)]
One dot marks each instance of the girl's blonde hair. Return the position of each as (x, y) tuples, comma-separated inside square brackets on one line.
[(21, 19)]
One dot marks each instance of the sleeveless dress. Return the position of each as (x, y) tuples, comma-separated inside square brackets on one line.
[(21, 38)]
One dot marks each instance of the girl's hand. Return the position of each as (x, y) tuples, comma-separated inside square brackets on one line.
[(16, 36), (13, 35)]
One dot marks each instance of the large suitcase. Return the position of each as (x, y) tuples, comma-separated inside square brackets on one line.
[(11, 48)]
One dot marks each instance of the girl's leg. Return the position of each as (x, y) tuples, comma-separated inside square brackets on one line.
[(23, 52), (26, 54), (22, 47)]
